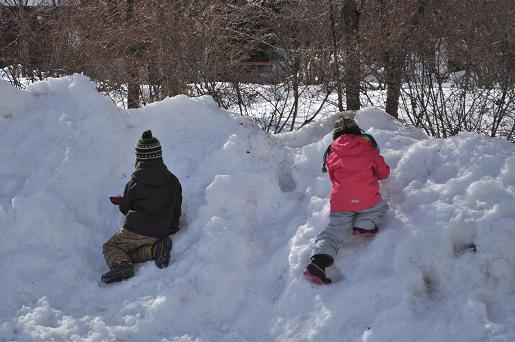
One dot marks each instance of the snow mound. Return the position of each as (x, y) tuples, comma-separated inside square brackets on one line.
[(441, 269)]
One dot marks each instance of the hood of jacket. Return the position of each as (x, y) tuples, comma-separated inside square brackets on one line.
[(350, 145), (151, 172)]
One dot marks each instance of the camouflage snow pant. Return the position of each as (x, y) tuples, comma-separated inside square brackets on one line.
[(128, 246)]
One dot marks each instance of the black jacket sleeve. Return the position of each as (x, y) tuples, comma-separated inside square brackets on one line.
[(176, 210), (128, 197)]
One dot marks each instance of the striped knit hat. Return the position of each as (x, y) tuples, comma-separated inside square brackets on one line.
[(148, 147)]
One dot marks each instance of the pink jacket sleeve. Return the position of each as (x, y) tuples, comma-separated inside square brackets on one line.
[(381, 170)]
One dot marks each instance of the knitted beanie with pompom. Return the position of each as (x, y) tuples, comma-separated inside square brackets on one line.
[(148, 147)]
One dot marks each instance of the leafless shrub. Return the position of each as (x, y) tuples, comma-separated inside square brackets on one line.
[(451, 64)]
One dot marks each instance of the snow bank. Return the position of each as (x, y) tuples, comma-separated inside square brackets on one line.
[(253, 205)]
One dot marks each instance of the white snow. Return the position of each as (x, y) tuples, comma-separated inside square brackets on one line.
[(253, 205)]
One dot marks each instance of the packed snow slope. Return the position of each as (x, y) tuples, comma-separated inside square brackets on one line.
[(253, 205)]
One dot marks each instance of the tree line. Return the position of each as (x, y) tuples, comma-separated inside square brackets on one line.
[(443, 66)]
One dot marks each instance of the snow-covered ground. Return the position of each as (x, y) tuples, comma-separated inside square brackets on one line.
[(253, 205)]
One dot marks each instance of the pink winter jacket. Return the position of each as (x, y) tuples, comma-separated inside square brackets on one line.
[(355, 168)]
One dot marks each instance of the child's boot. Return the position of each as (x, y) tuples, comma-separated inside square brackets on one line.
[(315, 271), (120, 272), (162, 250)]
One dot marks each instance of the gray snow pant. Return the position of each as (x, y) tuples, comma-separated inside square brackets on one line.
[(340, 223)]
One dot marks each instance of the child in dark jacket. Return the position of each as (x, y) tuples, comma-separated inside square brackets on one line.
[(151, 204), (355, 168)]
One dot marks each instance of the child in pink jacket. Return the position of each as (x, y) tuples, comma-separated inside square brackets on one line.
[(355, 168)]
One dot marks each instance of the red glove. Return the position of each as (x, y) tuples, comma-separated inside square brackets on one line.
[(116, 200)]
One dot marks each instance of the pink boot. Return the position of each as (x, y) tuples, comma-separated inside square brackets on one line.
[(316, 274)]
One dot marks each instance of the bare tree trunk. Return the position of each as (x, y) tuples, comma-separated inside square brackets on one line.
[(133, 92), (353, 74), (394, 63), (335, 57), (295, 85), (236, 86), (132, 67), (393, 66), (24, 35)]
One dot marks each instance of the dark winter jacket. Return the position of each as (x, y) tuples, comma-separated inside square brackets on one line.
[(152, 200)]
